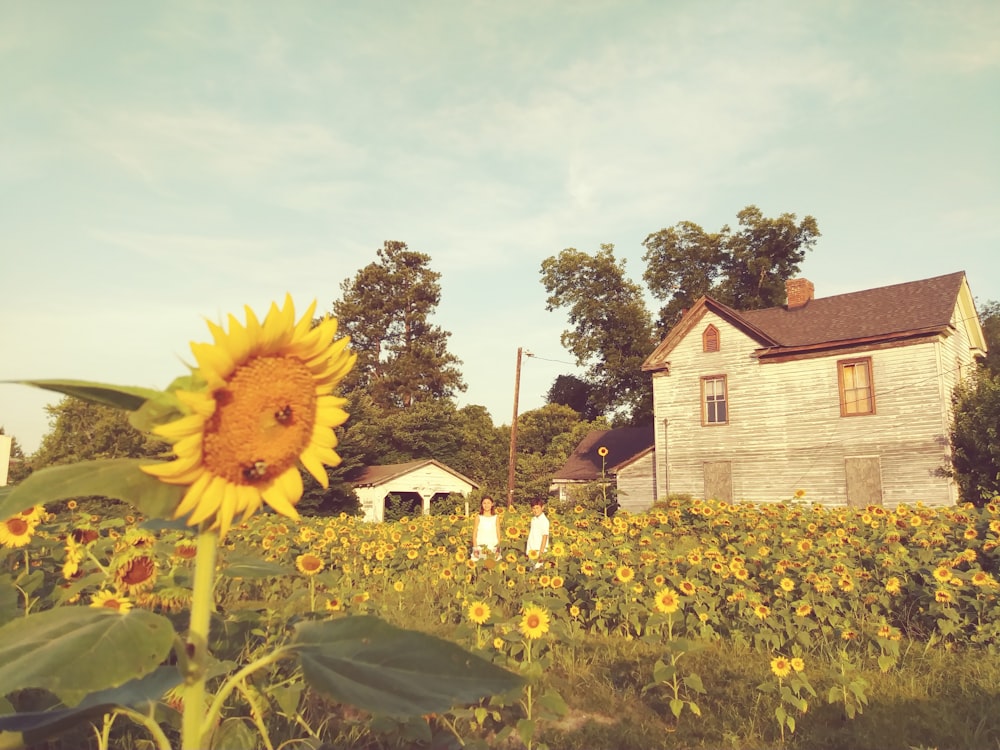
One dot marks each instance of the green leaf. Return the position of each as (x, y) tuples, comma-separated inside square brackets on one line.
[(694, 708), (525, 730), (124, 397), (693, 682), (367, 663), (73, 651), (252, 567), (235, 733), (553, 703), (676, 706), (287, 697), (37, 726), (116, 478)]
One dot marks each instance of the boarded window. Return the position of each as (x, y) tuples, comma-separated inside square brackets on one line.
[(864, 481), (710, 339), (714, 403), (857, 392), (719, 481)]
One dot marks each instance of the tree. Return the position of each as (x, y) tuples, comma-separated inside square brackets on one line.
[(82, 431), (745, 269), (611, 330), (19, 468), (975, 439), (546, 438), (989, 318), (571, 391), (385, 309)]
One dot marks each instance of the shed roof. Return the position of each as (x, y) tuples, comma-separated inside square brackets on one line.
[(372, 476), (624, 445)]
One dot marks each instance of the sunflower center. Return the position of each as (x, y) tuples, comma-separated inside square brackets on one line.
[(17, 526), (533, 621), (263, 421)]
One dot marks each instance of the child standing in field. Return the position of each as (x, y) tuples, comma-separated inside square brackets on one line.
[(486, 531), (538, 533)]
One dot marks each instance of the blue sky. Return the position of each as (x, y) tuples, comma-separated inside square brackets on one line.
[(165, 163)]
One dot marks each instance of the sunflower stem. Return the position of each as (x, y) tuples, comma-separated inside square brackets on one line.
[(193, 724)]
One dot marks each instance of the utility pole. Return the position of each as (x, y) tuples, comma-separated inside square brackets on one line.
[(513, 435)]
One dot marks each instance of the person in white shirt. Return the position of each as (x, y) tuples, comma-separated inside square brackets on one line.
[(486, 531), (538, 533)]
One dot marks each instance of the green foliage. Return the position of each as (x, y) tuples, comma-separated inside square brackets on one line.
[(65, 650), (989, 318), (975, 441), (611, 332), (84, 430), (367, 663), (575, 393), (745, 269), (385, 309)]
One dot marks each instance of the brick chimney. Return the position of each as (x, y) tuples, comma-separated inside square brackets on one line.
[(798, 292)]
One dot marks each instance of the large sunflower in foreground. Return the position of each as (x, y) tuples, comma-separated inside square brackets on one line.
[(267, 406)]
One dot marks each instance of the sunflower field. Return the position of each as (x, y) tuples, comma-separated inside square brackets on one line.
[(809, 608)]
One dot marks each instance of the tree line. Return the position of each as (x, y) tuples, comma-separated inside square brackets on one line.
[(402, 390)]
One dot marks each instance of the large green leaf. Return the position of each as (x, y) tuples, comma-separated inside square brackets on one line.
[(73, 651), (369, 664), (246, 566), (117, 478), (33, 727), (124, 397)]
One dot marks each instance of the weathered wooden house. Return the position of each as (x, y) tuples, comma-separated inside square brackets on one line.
[(626, 460), (845, 397), (425, 481)]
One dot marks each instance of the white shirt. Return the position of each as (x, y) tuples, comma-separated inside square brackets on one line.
[(486, 532), (538, 531)]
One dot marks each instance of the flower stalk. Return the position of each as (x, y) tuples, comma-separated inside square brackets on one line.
[(202, 603)]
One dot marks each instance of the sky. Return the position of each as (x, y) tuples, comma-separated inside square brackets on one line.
[(166, 163)]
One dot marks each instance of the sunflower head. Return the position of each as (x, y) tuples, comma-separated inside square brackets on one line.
[(534, 622), (263, 406)]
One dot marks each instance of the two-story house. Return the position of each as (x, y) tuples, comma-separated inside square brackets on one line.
[(845, 397)]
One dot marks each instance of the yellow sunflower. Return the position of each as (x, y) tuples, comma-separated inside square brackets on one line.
[(16, 532), (534, 622), (625, 574), (479, 613), (666, 601), (309, 564), (267, 406), (110, 600), (781, 667)]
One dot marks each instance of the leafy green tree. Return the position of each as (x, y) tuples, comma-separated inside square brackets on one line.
[(571, 391), (19, 468), (386, 309), (546, 438), (611, 332), (82, 431), (975, 438), (989, 318), (745, 269)]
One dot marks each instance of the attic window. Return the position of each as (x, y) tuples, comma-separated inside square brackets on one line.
[(710, 339)]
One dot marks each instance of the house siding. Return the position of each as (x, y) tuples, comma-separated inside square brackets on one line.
[(785, 430), (636, 488)]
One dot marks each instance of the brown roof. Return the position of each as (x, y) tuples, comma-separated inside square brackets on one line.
[(899, 312), (370, 476), (624, 445), (911, 307)]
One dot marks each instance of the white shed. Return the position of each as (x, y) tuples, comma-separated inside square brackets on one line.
[(427, 478)]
